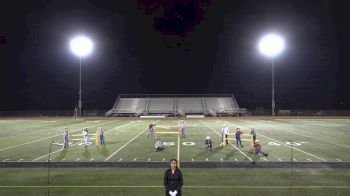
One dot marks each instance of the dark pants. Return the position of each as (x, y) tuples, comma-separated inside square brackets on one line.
[(238, 139)]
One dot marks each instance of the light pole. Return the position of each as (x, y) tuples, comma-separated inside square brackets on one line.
[(271, 45), (81, 46)]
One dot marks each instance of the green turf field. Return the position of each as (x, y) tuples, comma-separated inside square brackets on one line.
[(197, 182), (312, 139)]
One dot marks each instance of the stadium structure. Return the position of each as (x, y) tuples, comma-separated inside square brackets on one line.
[(176, 105)]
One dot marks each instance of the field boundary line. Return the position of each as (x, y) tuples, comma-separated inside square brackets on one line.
[(250, 159), (128, 143)]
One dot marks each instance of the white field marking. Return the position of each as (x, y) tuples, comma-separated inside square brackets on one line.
[(76, 144), (114, 153), (120, 159), (63, 159), (92, 159), (320, 130), (206, 159), (295, 160), (20, 160), (135, 159), (279, 159), (36, 131), (342, 145), (264, 159), (250, 159), (32, 126), (338, 159), (6, 159), (289, 146), (308, 159), (149, 159), (293, 148), (35, 141), (236, 159), (77, 159), (221, 159)]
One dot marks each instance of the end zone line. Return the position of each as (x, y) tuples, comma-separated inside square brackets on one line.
[(114, 153), (250, 159)]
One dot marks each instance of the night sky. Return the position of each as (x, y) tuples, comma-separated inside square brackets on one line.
[(179, 47)]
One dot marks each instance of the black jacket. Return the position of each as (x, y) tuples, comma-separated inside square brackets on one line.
[(173, 181)]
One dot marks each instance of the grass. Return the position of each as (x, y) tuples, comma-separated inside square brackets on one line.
[(111, 181), (28, 140), (312, 139)]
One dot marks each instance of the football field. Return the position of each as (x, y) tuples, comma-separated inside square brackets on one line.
[(25, 143), (303, 140)]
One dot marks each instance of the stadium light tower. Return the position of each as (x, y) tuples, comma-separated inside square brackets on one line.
[(271, 45), (81, 46)]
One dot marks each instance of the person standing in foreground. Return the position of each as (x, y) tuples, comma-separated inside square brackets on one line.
[(173, 179)]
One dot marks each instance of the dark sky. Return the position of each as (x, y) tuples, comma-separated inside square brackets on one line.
[(167, 46)]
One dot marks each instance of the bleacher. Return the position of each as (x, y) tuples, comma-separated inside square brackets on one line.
[(176, 104)]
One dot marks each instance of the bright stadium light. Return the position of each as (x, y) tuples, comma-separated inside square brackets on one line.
[(81, 46), (271, 45)]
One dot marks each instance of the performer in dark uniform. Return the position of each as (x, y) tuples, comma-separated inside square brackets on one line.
[(173, 179)]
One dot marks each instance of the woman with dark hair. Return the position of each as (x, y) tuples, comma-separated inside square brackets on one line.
[(173, 179)]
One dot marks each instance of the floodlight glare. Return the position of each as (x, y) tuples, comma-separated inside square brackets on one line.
[(81, 46), (271, 45)]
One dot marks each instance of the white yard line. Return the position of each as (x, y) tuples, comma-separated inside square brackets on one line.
[(60, 127), (38, 140), (250, 159), (290, 146), (276, 127), (56, 151), (297, 149), (77, 143), (114, 153)]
